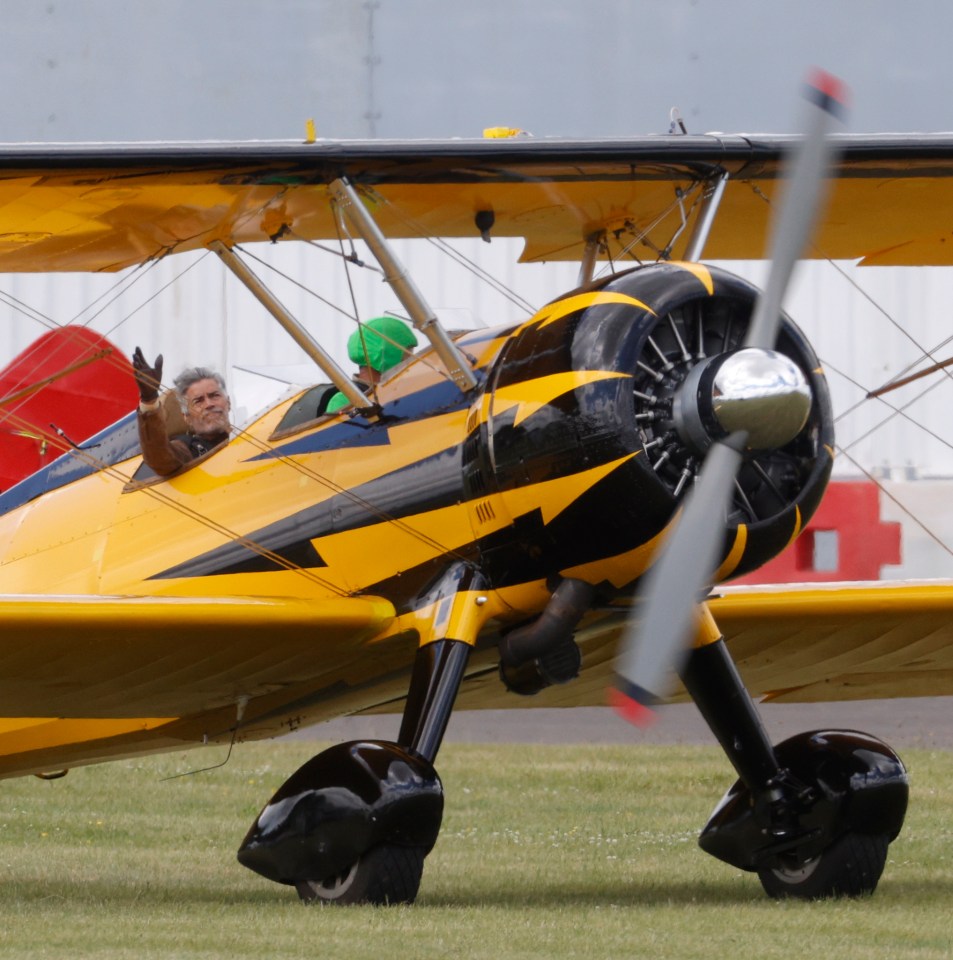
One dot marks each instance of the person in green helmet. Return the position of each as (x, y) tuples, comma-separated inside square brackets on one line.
[(375, 347)]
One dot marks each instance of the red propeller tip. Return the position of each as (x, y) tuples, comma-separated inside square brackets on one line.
[(631, 710), (830, 93)]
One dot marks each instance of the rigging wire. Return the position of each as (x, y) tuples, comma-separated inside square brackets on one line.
[(925, 354), (882, 488), (642, 236), (422, 358), (262, 446), (896, 411), (355, 498), (122, 286), (460, 258), (117, 291), (155, 492)]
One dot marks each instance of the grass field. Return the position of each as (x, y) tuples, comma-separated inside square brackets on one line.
[(545, 852)]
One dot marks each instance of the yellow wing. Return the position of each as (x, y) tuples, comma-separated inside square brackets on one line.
[(124, 675), (104, 207), (133, 675), (819, 642), (857, 641)]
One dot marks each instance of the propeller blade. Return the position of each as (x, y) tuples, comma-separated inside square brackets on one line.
[(803, 194), (685, 569), (656, 643)]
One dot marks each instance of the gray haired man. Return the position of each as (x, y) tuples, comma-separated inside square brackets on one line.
[(205, 406)]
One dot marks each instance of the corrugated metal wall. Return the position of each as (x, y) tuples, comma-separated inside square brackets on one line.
[(866, 324)]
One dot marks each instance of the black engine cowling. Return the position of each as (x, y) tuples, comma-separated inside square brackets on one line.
[(621, 349)]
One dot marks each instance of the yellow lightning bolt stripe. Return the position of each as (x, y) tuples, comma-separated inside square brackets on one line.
[(562, 308), (531, 395), (741, 541), (735, 554), (346, 552), (620, 569), (701, 272), (554, 496), (797, 527)]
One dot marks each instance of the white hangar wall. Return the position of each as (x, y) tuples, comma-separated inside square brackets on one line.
[(867, 326)]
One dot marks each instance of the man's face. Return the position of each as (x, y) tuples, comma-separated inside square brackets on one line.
[(208, 408)]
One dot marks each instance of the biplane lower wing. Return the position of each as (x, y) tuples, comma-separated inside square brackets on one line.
[(128, 675), (844, 641), (123, 675), (792, 644)]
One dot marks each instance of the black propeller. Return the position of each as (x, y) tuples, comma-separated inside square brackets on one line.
[(753, 398)]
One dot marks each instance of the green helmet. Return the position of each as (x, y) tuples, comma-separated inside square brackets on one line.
[(378, 343)]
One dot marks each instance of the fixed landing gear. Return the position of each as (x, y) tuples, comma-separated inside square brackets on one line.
[(354, 823), (813, 816)]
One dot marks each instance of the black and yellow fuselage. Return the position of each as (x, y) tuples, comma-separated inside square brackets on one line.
[(439, 515)]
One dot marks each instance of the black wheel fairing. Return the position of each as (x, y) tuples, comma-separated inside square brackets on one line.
[(857, 784), (343, 802)]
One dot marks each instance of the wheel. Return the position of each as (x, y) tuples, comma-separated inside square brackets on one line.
[(849, 867), (382, 875)]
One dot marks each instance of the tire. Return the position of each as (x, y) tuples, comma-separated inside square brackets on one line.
[(383, 875), (849, 867)]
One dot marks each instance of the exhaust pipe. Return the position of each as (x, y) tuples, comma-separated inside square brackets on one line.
[(542, 653)]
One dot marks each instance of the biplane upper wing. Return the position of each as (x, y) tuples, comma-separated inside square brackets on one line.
[(105, 207)]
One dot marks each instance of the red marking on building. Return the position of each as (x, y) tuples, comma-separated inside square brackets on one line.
[(845, 540)]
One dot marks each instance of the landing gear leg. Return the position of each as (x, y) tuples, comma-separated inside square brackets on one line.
[(355, 823), (390, 872), (438, 671), (713, 681)]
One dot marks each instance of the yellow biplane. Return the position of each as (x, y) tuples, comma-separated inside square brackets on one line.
[(477, 528)]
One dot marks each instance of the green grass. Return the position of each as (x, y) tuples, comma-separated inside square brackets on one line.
[(545, 852)]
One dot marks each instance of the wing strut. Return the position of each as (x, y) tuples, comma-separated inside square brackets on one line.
[(711, 200), (300, 336), (587, 266), (396, 275)]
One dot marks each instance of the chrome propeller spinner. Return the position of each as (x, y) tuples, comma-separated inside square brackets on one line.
[(760, 392)]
